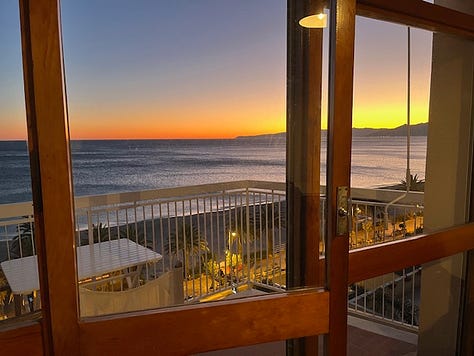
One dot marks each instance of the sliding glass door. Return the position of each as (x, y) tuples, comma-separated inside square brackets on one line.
[(284, 247)]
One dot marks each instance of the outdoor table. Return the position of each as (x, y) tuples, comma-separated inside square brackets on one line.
[(92, 261)]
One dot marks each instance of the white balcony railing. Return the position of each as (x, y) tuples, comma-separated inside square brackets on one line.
[(227, 236)]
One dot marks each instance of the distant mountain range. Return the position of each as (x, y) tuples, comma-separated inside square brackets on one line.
[(415, 130)]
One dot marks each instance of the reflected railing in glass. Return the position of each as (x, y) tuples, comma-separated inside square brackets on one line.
[(197, 243), (17, 244), (393, 298), (223, 239)]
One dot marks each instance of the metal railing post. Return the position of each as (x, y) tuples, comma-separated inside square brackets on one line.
[(247, 225)]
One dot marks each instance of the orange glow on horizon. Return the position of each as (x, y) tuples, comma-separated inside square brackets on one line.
[(177, 128), (165, 134), (200, 122), (210, 117), (227, 127), (13, 130)]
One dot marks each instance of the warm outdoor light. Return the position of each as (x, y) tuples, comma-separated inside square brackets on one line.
[(314, 21)]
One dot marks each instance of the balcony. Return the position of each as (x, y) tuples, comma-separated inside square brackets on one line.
[(219, 241)]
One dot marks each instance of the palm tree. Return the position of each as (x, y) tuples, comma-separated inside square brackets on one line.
[(103, 232), (100, 232), (416, 184), (22, 244), (236, 229), (268, 218), (263, 220), (135, 234), (190, 242)]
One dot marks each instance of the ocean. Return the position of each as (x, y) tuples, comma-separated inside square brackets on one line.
[(111, 166)]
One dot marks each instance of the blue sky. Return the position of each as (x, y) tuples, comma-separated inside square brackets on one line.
[(198, 68)]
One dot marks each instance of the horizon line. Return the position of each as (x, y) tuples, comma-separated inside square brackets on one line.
[(205, 138)]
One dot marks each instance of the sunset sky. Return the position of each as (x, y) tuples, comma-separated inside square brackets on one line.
[(199, 69)]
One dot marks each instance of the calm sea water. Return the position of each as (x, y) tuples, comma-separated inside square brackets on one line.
[(101, 167)]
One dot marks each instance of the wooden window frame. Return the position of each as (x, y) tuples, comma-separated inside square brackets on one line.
[(317, 312), (418, 13)]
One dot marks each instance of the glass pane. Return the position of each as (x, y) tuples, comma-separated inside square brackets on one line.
[(418, 78), (324, 141), (177, 115), (385, 310), (391, 94), (307, 91), (392, 77), (448, 187), (19, 286)]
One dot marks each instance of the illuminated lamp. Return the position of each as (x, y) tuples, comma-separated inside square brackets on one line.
[(314, 21)]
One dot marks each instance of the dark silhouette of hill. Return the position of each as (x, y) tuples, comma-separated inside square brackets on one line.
[(273, 138), (415, 130)]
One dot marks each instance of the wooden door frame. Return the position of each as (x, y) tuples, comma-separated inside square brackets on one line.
[(317, 311), (50, 166), (338, 171), (303, 138), (63, 332)]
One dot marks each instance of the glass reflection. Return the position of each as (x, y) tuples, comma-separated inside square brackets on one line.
[(19, 287), (177, 116)]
